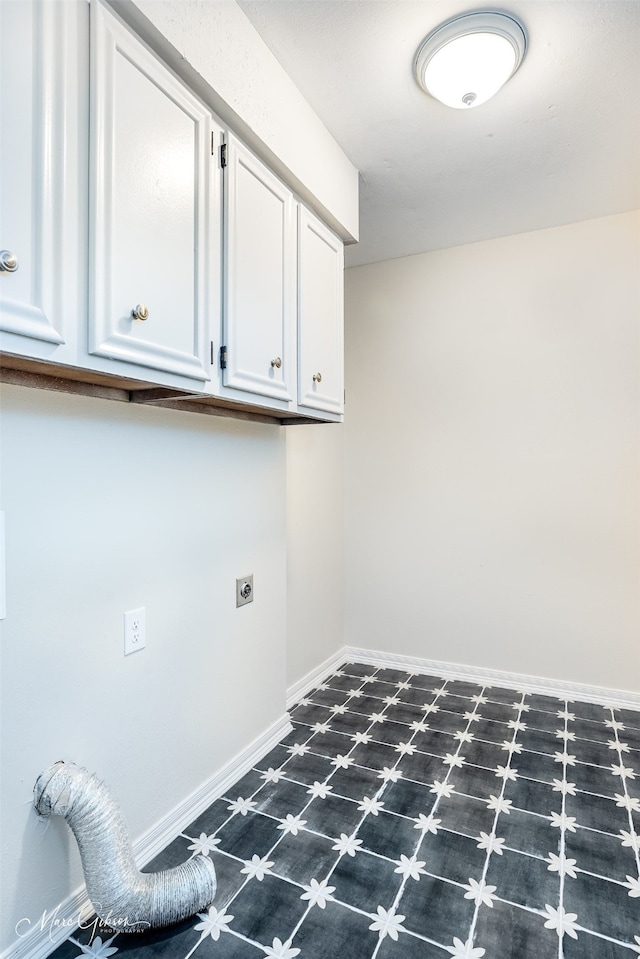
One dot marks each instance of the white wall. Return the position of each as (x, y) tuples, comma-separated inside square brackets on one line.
[(492, 454), (110, 507), (315, 546)]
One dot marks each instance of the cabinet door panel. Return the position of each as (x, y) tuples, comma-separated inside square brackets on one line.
[(39, 213), (320, 316), (260, 278), (150, 208)]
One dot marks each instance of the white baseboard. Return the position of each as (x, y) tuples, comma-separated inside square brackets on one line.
[(416, 664), (299, 689), (51, 929), (534, 684)]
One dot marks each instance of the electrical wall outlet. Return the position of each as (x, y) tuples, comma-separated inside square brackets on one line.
[(244, 590), (134, 630)]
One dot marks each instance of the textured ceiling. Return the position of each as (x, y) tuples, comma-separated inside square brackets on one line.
[(559, 143)]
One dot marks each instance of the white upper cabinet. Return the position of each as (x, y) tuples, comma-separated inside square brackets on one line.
[(260, 279), (42, 176), (135, 252), (320, 316), (154, 210)]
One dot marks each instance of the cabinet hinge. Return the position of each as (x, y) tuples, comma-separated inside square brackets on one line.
[(223, 357), (223, 155)]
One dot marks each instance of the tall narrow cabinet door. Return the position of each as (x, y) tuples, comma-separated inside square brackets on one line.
[(150, 208), (259, 329), (320, 316), (42, 155)]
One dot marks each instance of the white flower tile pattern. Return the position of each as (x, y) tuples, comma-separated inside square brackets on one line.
[(412, 817)]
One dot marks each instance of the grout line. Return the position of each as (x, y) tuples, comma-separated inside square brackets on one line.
[(632, 830), (493, 832), (423, 832), (562, 849)]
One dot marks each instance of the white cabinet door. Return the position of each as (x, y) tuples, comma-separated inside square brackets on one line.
[(42, 175), (260, 277), (320, 316), (154, 193)]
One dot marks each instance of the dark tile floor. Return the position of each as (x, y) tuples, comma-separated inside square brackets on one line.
[(411, 817)]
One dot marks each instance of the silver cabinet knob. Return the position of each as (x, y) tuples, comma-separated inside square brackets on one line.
[(277, 363), (8, 261), (317, 377), (140, 312)]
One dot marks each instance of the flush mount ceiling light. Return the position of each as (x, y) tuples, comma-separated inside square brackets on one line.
[(465, 61)]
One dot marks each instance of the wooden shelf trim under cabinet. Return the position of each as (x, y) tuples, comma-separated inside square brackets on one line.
[(43, 375)]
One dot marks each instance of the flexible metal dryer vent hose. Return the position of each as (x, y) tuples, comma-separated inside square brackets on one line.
[(124, 898)]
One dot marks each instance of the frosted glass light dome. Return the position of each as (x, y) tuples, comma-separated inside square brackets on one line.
[(465, 61)]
